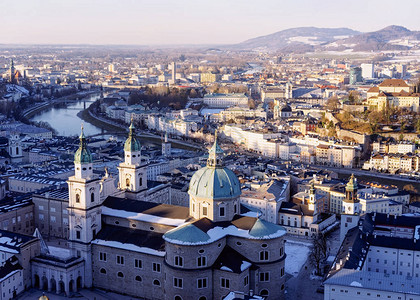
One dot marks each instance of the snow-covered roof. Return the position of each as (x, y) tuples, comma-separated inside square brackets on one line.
[(259, 229)]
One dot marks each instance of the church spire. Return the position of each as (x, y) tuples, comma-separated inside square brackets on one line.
[(132, 144), (83, 154), (12, 71)]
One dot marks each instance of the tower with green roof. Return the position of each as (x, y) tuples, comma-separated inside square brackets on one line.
[(132, 175), (214, 190), (351, 208), (84, 207)]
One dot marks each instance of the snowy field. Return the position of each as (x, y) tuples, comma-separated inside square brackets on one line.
[(297, 254)]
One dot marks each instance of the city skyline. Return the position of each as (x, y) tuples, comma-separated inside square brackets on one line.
[(186, 22)]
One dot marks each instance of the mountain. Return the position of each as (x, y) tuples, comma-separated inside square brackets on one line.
[(389, 38), (302, 39)]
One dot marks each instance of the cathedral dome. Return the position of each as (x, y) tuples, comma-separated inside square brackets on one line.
[(83, 154), (214, 181), (132, 144)]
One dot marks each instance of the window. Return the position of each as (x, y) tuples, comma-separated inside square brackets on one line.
[(282, 272), (178, 282), (41, 207), (263, 255), (246, 280), (120, 260), (264, 292), (77, 198), (137, 263), (102, 256), (138, 278), (205, 210), (201, 283), (78, 234), (52, 209), (102, 271), (41, 217), (222, 211), (281, 251), (201, 261), (92, 197), (53, 219), (178, 261), (264, 276), (120, 274), (224, 283), (156, 267), (156, 282)]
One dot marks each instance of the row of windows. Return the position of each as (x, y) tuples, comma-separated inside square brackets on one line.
[(137, 278), (370, 294)]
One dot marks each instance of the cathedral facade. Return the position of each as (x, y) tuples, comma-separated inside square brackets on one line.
[(129, 241)]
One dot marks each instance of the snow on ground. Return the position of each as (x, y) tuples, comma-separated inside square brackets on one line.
[(297, 254), (59, 252)]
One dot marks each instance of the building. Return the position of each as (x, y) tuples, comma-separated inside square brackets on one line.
[(368, 71), (378, 258), (267, 197), (130, 242), (355, 75), (226, 100), (393, 92), (301, 217)]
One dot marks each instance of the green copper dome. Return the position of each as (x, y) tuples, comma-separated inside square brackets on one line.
[(83, 154), (214, 181), (132, 144)]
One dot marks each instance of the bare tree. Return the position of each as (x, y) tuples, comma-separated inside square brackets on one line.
[(319, 251)]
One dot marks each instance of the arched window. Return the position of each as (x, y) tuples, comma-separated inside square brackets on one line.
[(77, 198), (156, 282), (92, 197), (141, 181), (138, 278), (17, 150), (177, 298), (264, 292), (120, 274), (202, 298), (127, 182), (102, 271)]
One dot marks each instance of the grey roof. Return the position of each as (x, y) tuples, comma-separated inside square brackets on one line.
[(376, 281), (150, 208)]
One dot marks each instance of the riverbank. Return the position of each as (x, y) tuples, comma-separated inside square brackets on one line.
[(87, 116), (29, 113)]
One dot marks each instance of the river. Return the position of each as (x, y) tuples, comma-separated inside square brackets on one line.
[(64, 119)]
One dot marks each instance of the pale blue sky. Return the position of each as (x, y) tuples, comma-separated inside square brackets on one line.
[(149, 22)]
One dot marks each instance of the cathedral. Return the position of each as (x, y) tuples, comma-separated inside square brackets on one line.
[(128, 240)]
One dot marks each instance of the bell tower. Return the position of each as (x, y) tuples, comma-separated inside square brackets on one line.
[(12, 72), (84, 207), (166, 147), (351, 208), (132, 176)]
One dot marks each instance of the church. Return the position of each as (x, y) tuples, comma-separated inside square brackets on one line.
[(128, 240)]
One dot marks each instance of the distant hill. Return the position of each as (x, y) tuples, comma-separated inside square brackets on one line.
[(300, 39), (308, 39), (389, 38)]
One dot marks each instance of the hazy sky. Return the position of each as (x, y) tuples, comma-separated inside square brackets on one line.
[(188, 21)]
